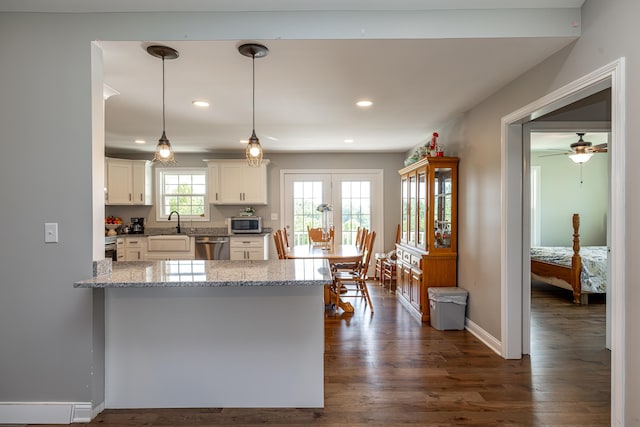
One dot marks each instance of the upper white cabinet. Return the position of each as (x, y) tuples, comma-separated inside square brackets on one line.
[(233, 182), (127, 182)]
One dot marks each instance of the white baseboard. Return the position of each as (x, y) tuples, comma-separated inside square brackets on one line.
[(484, 336), (47, 412)]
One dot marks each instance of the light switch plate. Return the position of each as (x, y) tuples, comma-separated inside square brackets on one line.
[(51, 232), (274, 216)]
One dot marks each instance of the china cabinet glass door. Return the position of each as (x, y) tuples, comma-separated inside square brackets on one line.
[(442, 199), (422, 209), (405, 209), (413, 217)]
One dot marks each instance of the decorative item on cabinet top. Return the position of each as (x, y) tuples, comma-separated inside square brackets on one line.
[(430, 149), (233, 182)]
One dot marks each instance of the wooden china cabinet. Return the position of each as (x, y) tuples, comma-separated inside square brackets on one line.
[(427, 252)]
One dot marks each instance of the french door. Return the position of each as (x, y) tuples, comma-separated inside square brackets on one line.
[(355, 198)]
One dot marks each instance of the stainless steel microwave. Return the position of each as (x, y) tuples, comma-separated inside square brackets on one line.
[(245, 224)]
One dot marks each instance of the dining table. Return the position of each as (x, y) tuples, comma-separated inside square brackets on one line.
[(334, 253)]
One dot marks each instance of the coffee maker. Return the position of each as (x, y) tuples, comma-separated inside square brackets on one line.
[(137, 226)]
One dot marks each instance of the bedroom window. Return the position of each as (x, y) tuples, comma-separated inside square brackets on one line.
[(184, 191)]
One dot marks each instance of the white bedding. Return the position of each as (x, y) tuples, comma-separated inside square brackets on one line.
[(593, 276)]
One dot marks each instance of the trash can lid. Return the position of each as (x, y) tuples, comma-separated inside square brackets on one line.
[(449, 294)]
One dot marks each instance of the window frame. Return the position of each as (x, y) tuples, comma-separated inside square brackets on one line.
[(159, 193)]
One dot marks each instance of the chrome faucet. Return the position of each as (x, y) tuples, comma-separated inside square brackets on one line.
[(169, 219)]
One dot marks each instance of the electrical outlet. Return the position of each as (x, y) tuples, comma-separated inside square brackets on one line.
[(51, 232), (274, 216)]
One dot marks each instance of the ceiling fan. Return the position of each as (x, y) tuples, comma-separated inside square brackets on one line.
[(581, 150)]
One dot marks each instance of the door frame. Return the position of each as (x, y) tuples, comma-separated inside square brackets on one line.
[(512, 255)]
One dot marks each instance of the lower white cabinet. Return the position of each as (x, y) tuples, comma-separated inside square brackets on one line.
[(249, 247), (133, 248)]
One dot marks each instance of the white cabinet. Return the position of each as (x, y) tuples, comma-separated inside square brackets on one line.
[(127, 182), (120, 248), (134, 248), (233, 182), (213, 175), (249, 247)]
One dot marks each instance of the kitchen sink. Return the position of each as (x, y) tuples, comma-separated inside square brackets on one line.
[(169, 243)]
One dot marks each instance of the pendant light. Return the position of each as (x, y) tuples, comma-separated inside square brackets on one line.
[(254, 149), (164, 152)]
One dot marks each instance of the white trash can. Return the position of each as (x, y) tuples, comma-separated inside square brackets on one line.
[(447, 307)]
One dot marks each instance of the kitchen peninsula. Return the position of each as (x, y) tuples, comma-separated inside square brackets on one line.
[(214, 333)]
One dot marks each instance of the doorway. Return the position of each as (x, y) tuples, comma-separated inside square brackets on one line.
[(515, 218)]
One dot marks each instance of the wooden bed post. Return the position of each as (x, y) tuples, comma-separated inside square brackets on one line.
[(576, 261)]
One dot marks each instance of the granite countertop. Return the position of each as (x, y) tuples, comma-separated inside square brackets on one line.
[(187, 273), (196, 232)]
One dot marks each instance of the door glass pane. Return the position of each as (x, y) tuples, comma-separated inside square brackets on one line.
[(356, 208), (442, 207), (307, 195)]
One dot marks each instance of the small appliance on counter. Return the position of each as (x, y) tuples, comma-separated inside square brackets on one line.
[(245, 224), (137, 226)]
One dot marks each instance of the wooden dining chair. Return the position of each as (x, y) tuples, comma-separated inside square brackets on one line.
[(354, 284), (280, 248), (285, 237), (317, 236)]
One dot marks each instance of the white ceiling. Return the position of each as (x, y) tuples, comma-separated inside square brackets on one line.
[(305, 89)]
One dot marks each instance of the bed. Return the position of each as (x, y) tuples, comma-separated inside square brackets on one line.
[(580, 270)]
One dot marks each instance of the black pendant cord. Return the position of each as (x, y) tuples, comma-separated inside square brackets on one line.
[(253, 61), (163, 94)]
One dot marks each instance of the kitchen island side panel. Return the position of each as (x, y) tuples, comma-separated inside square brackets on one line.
[(214, 347)]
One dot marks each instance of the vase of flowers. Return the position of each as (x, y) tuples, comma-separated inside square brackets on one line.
[(327, 221)]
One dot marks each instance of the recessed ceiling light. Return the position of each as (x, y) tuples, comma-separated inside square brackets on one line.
[(348, 141), (244, 141), (200, 103), (364, 103), (140, 141)]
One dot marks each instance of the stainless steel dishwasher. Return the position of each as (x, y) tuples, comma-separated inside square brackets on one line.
[(212, 247)]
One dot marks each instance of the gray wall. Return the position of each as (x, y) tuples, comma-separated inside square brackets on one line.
[(609, 32), (45, 168), (562, 195)]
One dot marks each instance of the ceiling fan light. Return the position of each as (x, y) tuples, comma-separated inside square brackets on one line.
[(580, 157)]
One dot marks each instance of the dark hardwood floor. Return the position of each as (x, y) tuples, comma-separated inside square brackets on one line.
[(386, 369)]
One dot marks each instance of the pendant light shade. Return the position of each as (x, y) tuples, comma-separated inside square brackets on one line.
[(164, 152), (254, 149)]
